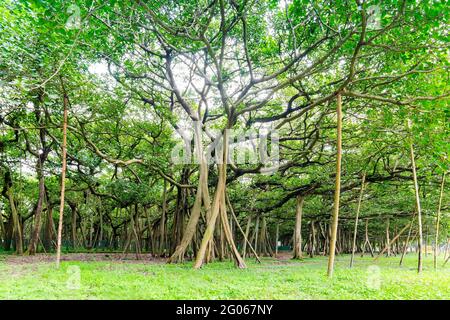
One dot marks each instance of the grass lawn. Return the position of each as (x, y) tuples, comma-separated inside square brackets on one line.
[(273, 279)]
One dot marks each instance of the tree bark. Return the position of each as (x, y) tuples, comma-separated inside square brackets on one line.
[(16, 222), (418, 208), (355, 230), (256, 234), (392, 241), (438, 217), (277, 232), (337, 192), (388, 241), (191, 227), (73, 208), (162, 224), (50, 228), (313, 239), (63, 183), (247, 233), (2, 229), (39, 207), (407, 240), (298, 254), (218, 198), (226, 230), (135, 231)]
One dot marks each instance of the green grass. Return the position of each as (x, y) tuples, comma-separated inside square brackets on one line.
[(270, 280)]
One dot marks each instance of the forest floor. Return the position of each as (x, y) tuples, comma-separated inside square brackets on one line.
[(107, 276)]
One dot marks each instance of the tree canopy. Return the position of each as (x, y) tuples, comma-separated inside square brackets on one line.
[(143, 77)]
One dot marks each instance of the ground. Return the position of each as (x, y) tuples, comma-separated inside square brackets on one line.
[(107, 276)]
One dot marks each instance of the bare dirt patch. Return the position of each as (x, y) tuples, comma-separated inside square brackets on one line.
[(110, 257)]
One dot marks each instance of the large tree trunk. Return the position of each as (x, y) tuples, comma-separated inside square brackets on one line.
[(219, 198), (191, 227), (335, 218), (298, 254), (49, 228), (220, 189)]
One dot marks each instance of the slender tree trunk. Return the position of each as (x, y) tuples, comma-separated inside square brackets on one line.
[(418, 208), (335, 218), (149, 231), (41, 158), (325, 238), (446, 260), (91, 230), (447, 247), (388, 241), (162, 224), (63, 183), (39, 207), (226, 230), (180, 211), (438, 217), (298, 254), (247, 233), (255, 235), (355, 230), (73, 208), (2, 229), (313, 238), (407, 240), (392, 241), (100, 236), (277, 232), (221, 236), (135, 232), (17, 228)]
